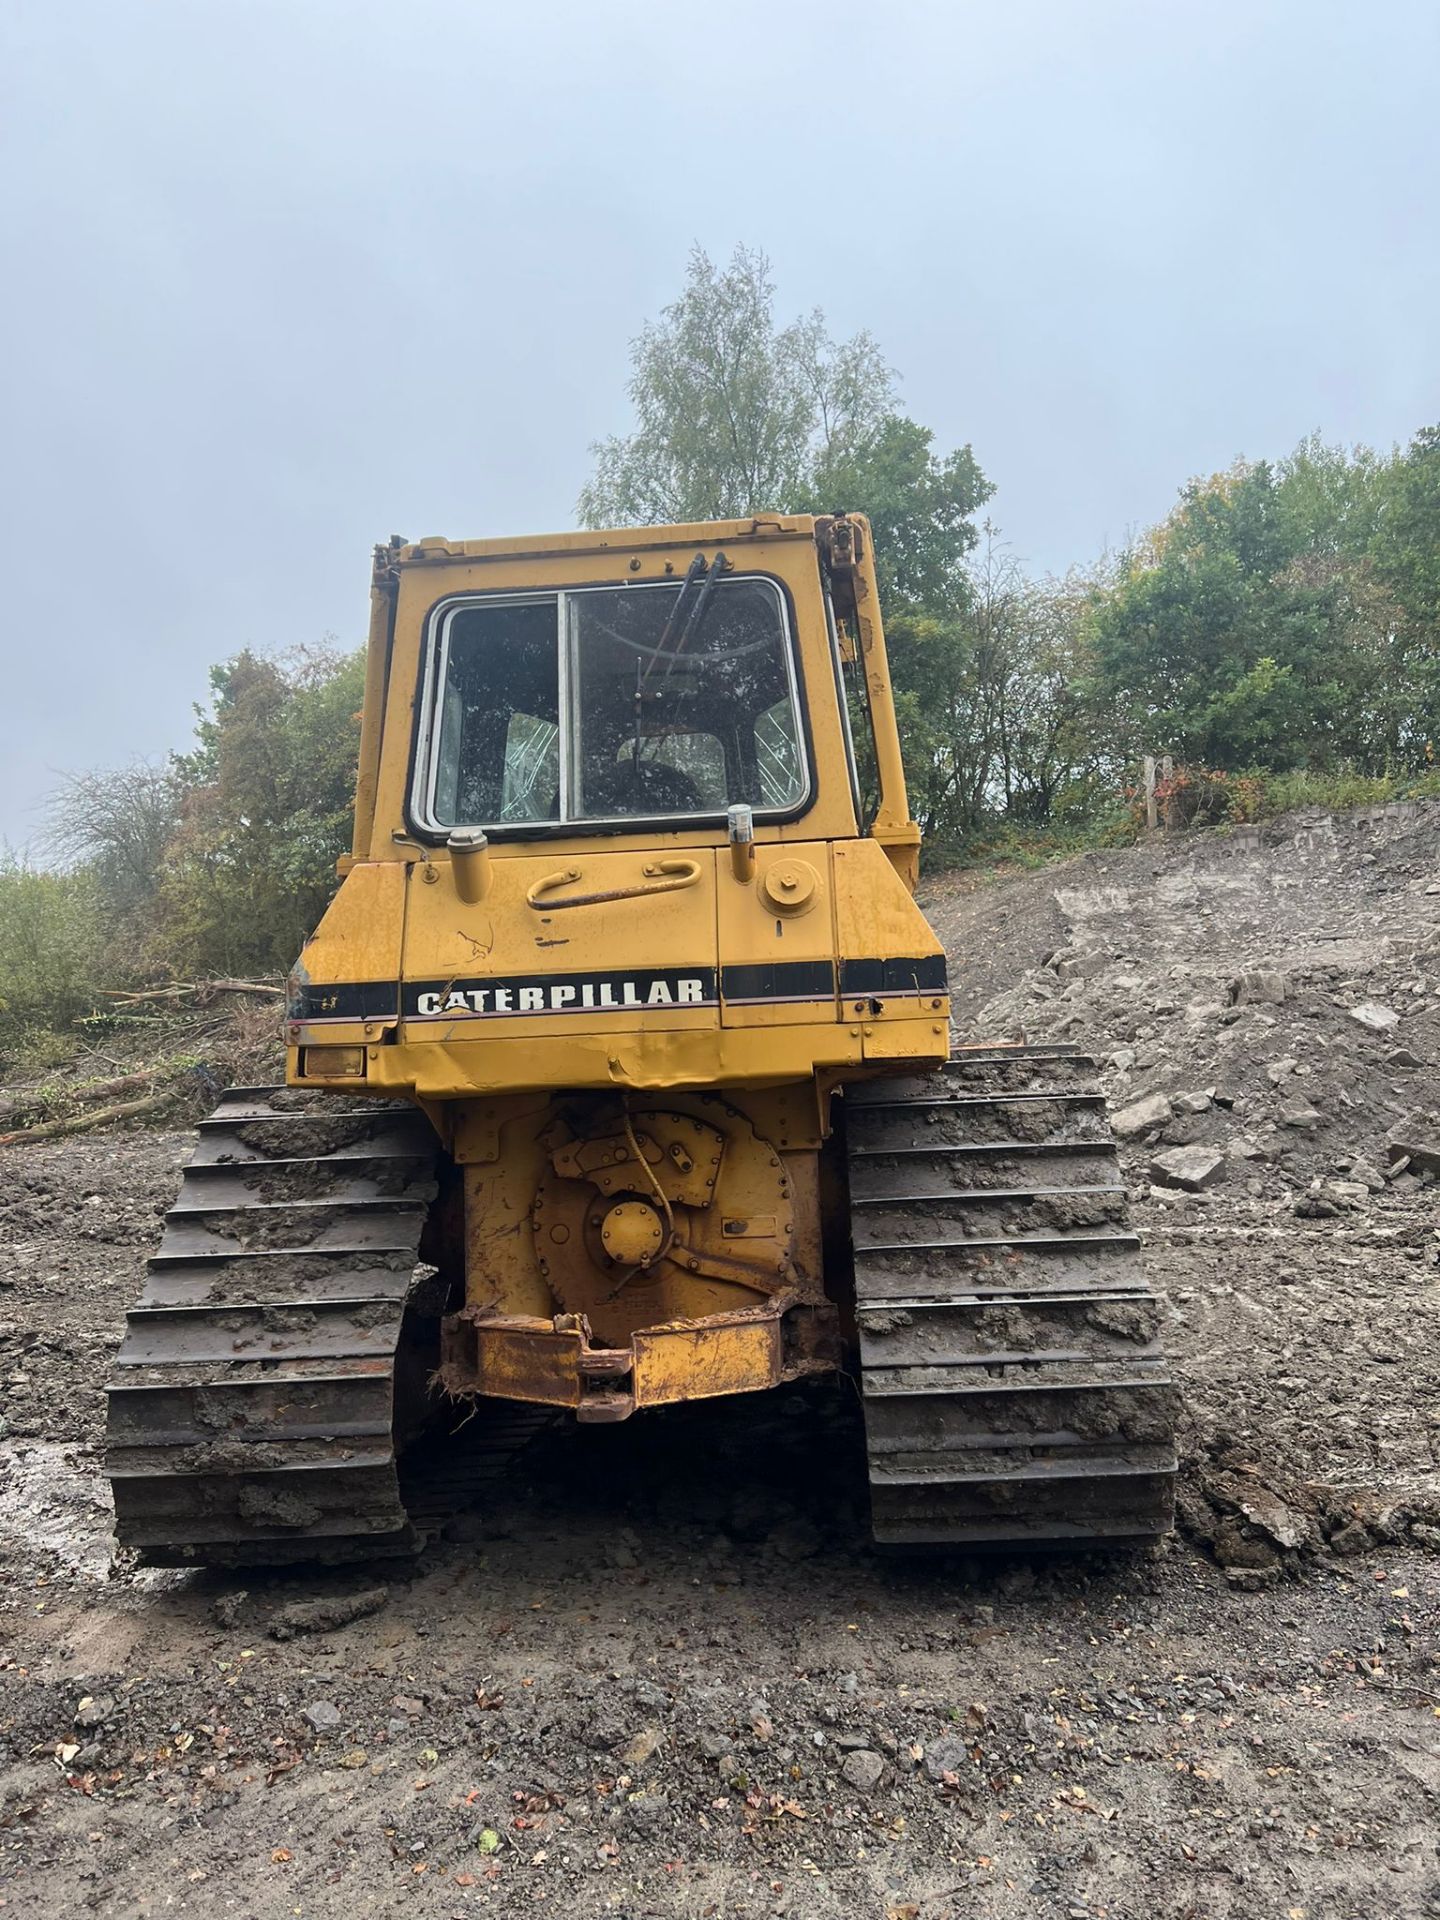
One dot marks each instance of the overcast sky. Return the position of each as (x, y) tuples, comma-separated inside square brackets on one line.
[(283, 279)]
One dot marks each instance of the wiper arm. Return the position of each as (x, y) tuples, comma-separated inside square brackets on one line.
[(697, 607), (695, 573), (718, 566), (707, 576)]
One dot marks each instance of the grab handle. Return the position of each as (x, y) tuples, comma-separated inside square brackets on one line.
[(676, 874)]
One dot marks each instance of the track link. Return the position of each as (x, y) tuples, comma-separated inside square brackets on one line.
[(1014, 1387), (275, 1366)]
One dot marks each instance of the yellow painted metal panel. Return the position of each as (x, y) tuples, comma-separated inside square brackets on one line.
[(703, 1361), (360, 935), (913, 1039), (794, 943), (875, 915), (577, 961), (528, 1361), (762, 1056), (521, 1358), (356, 946), (622, 543)]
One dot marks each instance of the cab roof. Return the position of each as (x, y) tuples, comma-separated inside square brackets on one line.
[(436, 548)]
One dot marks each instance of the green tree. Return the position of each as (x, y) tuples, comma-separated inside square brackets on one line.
[(1407, 540), (1253, 631), (1059, 750), (732, 410), (921, 506), (952, 663), (739, 415), (268, 794), (1330, 500)]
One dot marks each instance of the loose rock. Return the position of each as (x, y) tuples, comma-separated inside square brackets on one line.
[(1351, 1539), (226, 1608), (1142, 1115), (948, 1754), (1263, 985), (863, 1769), (1375, 1018), (1189, 1167), (320, 1616)]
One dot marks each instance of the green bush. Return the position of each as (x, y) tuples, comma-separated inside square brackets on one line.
[(53, 950)]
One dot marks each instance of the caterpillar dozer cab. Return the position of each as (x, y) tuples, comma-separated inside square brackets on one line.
[(620, 1074)]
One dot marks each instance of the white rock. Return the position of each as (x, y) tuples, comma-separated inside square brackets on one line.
[(1372, 1015), (1166, 1196), (1189, 1167), (1141, 1116)]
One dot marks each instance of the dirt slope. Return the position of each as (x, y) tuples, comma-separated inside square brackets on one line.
[(1271, 1001), (658, 1675)]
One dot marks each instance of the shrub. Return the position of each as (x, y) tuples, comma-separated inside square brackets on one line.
[(266, 808), (53, 948)]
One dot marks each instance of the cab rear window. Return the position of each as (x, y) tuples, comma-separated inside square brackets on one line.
[(603, 704)]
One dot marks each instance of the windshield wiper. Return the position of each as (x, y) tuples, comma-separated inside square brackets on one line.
[(718, 566), (699, 606), (695, 573)]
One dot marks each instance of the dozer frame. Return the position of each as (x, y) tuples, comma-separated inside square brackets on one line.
[(629, 908)]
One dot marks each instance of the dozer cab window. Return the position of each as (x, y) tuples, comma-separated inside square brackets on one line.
[(497, 756), (606, 704)]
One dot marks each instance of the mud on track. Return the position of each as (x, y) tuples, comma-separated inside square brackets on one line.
[(657, 1673)]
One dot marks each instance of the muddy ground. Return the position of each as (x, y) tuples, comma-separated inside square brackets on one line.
[(659, 1673)]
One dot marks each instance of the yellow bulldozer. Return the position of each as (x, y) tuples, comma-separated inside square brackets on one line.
[(620, 1073)]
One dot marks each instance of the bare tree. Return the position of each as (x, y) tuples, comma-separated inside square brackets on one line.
[(117, 821)]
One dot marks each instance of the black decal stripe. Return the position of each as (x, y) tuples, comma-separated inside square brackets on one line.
[(345, 1000), (641, 981), (779, 980), (926, 974)]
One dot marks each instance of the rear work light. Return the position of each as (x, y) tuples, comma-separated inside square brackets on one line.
[(334, 1063)]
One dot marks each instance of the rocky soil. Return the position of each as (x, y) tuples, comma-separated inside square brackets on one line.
[(657, 1673)]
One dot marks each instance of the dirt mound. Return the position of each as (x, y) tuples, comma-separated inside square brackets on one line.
[(1266, 1007)]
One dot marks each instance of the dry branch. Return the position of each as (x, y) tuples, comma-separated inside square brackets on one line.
[(190, 990), (97, 1117)]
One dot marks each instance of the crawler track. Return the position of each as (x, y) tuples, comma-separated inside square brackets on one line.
[(264, 1395), (1014, 1386)]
